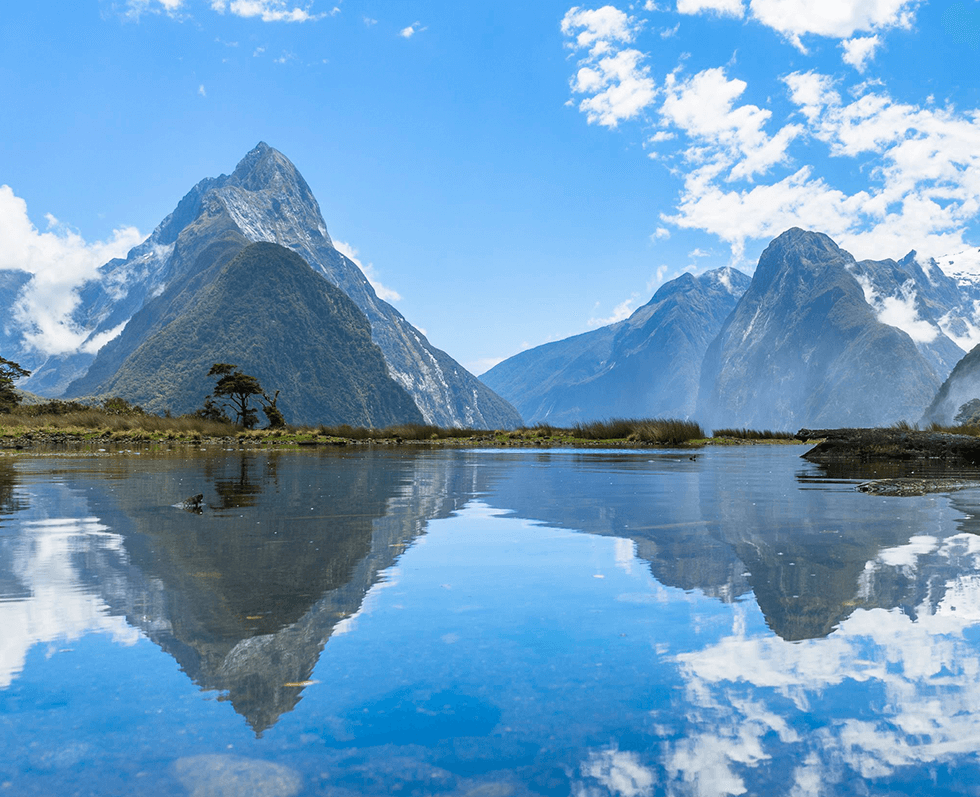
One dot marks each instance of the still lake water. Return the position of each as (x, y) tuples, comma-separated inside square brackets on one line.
[(483, 623)]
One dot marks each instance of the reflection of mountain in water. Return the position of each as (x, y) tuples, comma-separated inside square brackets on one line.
[(726, 524), (245, 595), (256, 586)]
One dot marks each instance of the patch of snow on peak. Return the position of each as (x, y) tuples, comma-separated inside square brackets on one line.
[(962, 266)]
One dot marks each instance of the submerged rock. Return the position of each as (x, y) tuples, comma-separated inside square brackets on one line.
[(232, 776), (905, 487)]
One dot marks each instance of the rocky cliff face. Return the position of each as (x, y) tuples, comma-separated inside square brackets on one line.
[(646, 366), (804, 348), (266, 199)]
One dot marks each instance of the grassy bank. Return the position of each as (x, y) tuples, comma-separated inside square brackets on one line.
[(67, 423)]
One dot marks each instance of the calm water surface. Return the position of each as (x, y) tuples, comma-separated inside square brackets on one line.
[(483, 623)]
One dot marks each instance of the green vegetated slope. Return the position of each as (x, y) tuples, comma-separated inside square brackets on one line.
[(269, 313)]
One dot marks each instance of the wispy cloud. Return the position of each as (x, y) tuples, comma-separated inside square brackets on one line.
[(411, 30), (135, 9), (620, 312), (267, 10), (384, 292)]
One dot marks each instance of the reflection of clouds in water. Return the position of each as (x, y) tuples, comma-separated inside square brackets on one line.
[(56, 606), (924, 672), (907, 555), (614, 771)]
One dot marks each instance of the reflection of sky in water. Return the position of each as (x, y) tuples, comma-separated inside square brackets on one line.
[(468, 638)]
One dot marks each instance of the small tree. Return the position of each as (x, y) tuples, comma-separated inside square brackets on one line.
[(238, 389), (272, 412), (9, 371), (969, 413)]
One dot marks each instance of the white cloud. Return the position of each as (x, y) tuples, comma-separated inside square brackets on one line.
[(266, 10), (620, 312), (617, 772), (59, 606), (201, 91), (411, 30), (899, 311), (385, 293), (726, 137), (370, 22), (730, 8), (839, 19), (134, 9), (615, 78), (598, 28), (859, 50), (61, 261)]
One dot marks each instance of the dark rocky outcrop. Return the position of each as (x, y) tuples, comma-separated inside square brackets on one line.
[(934, 450)]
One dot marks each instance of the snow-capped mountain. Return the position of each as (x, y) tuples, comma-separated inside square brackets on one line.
[(264, 199)]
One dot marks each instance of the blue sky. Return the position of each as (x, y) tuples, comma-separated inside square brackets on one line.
[(511, 172)]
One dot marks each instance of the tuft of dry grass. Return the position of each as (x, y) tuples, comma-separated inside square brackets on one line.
[(664, 431), (753, 434)]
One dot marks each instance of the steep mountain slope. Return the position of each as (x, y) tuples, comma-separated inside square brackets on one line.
[(266, 199), (268, 312), (961, 386), (648, 365), (804, 348)]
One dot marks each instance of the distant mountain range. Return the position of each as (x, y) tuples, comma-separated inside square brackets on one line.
[(644, 366), (816, 338), (136, 299)]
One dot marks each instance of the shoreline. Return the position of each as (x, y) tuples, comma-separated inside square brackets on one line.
[(58, 442)]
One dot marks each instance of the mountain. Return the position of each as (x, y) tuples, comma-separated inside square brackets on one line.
[(645, 366), (264, 199), (804, 348), (269, 313)]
